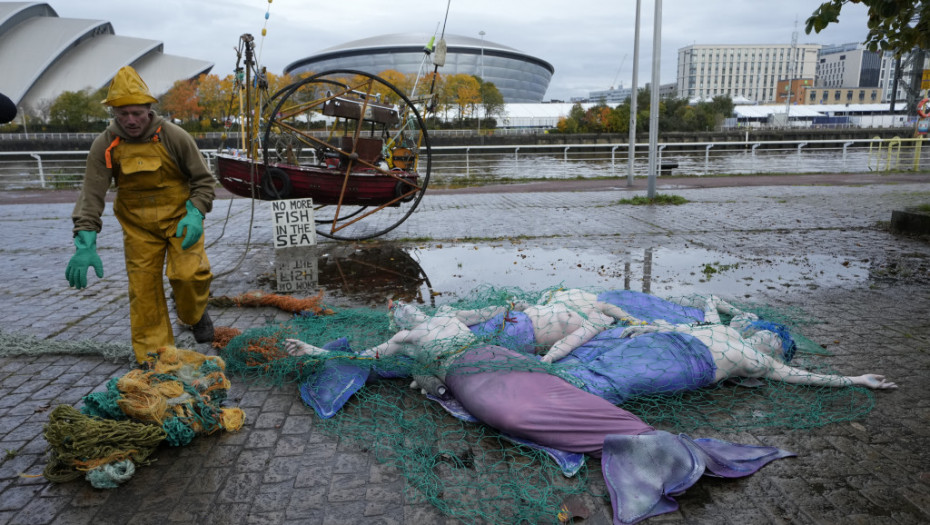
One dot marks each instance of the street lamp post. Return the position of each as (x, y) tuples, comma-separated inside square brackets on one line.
[(631, 151), (481, 74), (481, 68), (654, 100)]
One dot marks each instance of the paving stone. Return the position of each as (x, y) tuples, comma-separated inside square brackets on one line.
[(285, 468), (39, 511), (16, 498)]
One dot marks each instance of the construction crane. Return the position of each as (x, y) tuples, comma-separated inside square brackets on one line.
[(622, 61)]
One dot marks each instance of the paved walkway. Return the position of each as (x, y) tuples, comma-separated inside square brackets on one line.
[(282, 469)]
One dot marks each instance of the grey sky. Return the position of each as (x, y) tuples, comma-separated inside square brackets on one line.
[(589, 42)]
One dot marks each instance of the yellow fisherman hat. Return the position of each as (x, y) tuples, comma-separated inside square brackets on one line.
[(127, 88)]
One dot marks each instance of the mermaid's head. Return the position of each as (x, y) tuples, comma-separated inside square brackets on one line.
[(405, 316), (782, 343)]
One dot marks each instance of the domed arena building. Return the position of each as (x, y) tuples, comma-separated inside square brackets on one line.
[(520, 78), (43, 55)]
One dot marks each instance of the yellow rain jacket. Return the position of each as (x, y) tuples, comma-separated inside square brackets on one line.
[(154, 175)]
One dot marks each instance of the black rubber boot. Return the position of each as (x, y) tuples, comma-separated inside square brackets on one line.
[(203, 330)]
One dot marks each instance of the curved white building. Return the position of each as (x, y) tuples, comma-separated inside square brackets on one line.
[(43, 55), (518, 76)]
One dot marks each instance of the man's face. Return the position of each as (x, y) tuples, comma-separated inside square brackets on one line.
[(133, 119)]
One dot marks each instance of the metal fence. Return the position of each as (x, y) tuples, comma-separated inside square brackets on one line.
[(684, 158), (234, 136), (483, 164)]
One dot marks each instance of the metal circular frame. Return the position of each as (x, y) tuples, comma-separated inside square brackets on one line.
[(319, 94)]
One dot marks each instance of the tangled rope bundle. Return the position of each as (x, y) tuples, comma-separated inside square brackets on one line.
[(173, 400), (223, 334), (285, 303), (79, 443)]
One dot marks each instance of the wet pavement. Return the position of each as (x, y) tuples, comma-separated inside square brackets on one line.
[(822, 248)]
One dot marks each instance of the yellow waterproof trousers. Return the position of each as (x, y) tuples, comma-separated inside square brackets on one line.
[(150, 200)]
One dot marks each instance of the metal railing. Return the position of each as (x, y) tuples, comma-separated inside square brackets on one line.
[(233, 137), (569, 161), (483, 164)]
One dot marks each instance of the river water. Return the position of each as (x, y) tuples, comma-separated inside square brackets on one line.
[(482, 165), (509, 166)]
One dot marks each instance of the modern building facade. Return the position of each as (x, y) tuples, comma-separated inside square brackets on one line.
[(848, 65), (611, 97), (669, 90), (43, 55), (519, 77), (909, 69), (747, 72), (792, 91), (840, 95)]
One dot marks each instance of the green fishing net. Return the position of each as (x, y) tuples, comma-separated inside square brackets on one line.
[(468, 470), (26, 345)]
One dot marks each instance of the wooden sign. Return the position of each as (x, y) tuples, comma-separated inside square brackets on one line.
[(292, 223)]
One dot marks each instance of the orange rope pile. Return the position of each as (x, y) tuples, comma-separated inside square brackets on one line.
[(282, 302), (263, 352), (264, 359), (223, 334)]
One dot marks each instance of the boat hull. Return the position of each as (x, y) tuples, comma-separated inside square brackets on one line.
[(247, 178)]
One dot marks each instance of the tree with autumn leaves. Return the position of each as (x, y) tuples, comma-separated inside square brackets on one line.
[(207, 102), (210, 103), (182, 102)]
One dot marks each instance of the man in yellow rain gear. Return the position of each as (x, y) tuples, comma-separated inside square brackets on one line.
[(163, 190)]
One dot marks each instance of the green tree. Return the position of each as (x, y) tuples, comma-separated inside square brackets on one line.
[(622, 114), (894, 25), (643, 103), (75, 111), (492, 102), (723, 105), (675, 114), (572, 123), (685, 118)]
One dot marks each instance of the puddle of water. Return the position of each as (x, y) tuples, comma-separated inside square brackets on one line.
[(438, 274)]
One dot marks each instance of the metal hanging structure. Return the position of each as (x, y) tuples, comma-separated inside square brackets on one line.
[(351, 141)]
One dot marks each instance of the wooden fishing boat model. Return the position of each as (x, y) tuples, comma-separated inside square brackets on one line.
[(350, 141)]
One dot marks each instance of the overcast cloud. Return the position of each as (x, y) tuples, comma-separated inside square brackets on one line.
[(589, 42)]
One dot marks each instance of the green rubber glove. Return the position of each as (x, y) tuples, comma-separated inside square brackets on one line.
[(193, 221), (86, 255)]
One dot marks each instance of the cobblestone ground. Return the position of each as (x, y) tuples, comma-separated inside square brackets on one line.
[(281, 468)]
